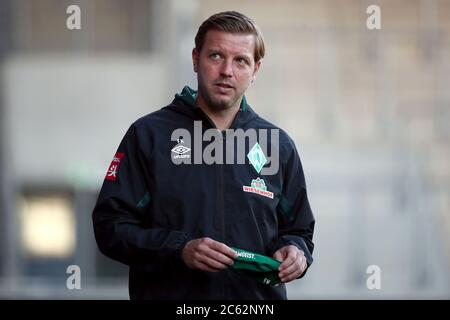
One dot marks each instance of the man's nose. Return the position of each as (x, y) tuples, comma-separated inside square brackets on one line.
[(226, 68)]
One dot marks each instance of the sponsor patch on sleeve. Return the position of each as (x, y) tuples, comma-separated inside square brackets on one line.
[(113, 168)]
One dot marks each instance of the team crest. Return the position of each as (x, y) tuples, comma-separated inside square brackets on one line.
[(258, 186), (256, 157)]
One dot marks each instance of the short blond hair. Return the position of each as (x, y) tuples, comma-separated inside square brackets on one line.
[(231, 22)]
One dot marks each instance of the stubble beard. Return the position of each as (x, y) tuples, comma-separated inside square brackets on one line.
[(215, 104)]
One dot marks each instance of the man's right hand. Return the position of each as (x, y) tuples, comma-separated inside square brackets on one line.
[(208, 255)]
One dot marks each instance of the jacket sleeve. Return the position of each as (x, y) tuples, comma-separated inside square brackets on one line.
[(121, 210), (295, 218)]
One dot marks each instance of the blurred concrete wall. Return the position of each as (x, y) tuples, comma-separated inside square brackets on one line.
[(368, 110)]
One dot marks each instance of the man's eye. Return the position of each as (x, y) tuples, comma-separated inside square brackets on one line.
[(242, 61), (215, 56)]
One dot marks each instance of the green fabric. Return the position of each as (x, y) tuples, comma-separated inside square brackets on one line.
[(144, 201), (285, 207), (189, 96), (256, 266)]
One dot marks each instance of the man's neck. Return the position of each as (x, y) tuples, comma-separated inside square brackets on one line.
[(222, 119)]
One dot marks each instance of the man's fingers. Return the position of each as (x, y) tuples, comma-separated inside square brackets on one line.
[(203, 266), (213, 258), (293, 263), (290, 273), (290, 269), (223, 249), (220, 257), (208, 254), (218, 251), (294, 270), (290, 277), (212, 262), (290, 259), (278, 256)]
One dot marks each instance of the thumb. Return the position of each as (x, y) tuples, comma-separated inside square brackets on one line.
[(278, 255)]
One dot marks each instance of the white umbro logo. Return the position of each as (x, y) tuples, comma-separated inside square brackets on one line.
[(180, 149)]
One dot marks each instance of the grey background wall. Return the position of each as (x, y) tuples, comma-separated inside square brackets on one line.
[(368, 109)]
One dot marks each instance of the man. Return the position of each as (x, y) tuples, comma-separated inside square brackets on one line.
[(174, 212)]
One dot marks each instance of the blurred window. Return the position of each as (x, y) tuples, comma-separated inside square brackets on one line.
[(47, 232)]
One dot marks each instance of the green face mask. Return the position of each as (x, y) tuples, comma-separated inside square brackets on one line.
[(256, 266)]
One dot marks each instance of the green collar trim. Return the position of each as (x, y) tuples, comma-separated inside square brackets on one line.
[(189, 96)]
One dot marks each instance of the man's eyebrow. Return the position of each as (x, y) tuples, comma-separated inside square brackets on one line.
[(244, 56), (238, 55), (214, 50), (217, 49)]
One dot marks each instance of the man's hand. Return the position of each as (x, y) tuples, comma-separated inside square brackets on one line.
[(207, 254), (293, 263)]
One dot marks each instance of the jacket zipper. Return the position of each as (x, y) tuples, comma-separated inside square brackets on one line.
[(221, 197)]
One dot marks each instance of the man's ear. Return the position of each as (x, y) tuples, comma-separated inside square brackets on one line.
[(256, 69), (195, 60)]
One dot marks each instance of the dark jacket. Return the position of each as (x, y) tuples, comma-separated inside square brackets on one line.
[(149, 207)]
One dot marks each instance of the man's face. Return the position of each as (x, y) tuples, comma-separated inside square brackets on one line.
[(225, 68)]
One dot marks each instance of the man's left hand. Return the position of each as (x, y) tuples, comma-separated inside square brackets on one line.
[(293, 262)]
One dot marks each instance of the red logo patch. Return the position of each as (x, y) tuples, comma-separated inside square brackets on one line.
[(113, 169)]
